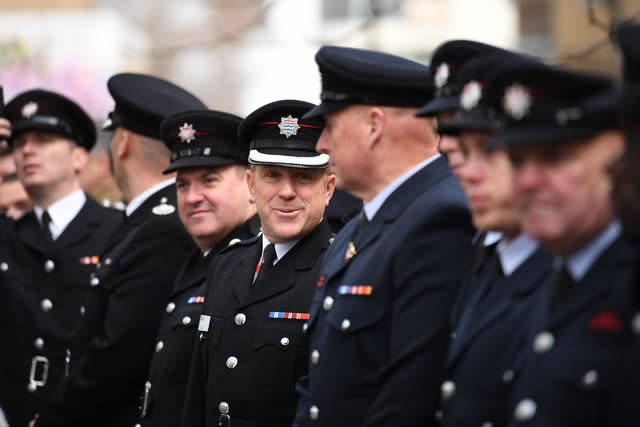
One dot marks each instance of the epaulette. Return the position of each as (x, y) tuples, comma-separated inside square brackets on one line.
[(163, 208), (236, 243)]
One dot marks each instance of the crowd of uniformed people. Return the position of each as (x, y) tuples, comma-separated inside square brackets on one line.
[(443, 245)]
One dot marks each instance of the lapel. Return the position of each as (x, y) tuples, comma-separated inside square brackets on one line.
[(520, 284), (282, 276), (391, 209), (29, 232), (195, 269), (81, 227), (598, 281), (193, 272)]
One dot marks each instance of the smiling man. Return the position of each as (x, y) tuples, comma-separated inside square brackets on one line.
[(215, 207), (251, 346)]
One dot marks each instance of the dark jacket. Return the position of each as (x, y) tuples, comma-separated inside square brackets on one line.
[(575, 366), (43, 289), (487, 344), (379, 325), (113, 346), (248, 358), (166, 385)]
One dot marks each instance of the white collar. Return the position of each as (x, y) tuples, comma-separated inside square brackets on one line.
[(515, 252), (281, 248), (372, 206), (62, 211), (579, 263), (137, 201)]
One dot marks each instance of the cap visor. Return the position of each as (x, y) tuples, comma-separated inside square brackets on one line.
[(439, 105), (540, 136), (455, 126)]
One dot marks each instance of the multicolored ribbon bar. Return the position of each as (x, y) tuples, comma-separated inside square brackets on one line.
[(196, 300), (288, 315), (355, 290)]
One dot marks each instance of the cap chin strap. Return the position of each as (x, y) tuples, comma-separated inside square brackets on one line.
[(317, 162)]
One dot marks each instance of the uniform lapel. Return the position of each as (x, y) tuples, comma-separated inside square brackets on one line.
[(28, 231), (242, 274), (81, 227), (524, 280), (597, 282), (390, 210), (282, 276)]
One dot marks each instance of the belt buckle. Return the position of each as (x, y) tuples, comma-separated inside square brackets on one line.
[(36, 380)]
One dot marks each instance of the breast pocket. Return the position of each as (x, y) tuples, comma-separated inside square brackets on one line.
[(278, 357), (357, 341)]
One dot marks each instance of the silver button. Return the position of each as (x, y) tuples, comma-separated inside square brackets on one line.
[(186, 320), (223, 407), (305, 326), (284, 341), (487, 424), (590, 378), (507, 376), (49, 266), (240, 319), (232, 362), (327, 303), (543, 342), (170, 307), (315, 357), (46, 305), (448, 389), (82, 310), (346, 324), (94, 281), (38, 343), (439, 415), (4, 267), (525, 410), (314, 412), (635, 323), (159, 346), (453, 335)]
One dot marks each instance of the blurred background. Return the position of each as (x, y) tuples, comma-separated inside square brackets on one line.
[(237, 55)]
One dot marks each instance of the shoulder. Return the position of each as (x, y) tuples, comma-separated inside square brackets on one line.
[(238, 245)]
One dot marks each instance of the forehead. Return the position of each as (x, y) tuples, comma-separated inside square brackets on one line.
[(50, 137), (196, 172)]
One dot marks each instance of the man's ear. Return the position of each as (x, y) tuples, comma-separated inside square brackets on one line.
[(124, 145), (376, 121), (250, 177)]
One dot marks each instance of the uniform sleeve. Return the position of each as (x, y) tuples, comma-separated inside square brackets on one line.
[(117, 359), (427, 270)]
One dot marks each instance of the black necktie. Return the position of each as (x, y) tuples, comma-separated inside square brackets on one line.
[(562, 284), (46, 230), (361, 224), (268, 258)]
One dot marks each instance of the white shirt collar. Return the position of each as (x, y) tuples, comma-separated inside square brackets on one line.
[(581, 261), (137, 201), (281, 248), (62, 211), (491, 238), (515, 252), (372, 206)]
